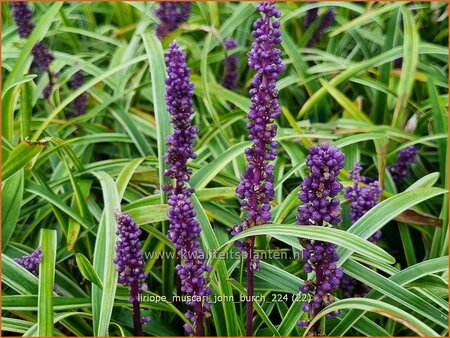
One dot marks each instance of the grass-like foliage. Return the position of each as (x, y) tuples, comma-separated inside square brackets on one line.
[(313, 178)]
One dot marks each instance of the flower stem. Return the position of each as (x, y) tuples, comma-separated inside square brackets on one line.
[(136, 310), (250, 274), (199, 329)]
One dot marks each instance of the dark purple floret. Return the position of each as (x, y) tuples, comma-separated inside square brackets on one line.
[(31, 262), (405, 158), (79, 103), (22, 16), (327, 21), (171, 16), (42, 56), (318, 193), (130, 263), (310, 17), (230, 76), (184, 229), (362, 199)]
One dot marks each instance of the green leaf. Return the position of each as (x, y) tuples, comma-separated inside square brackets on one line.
[(338, 237), (104, 253), (18, 278), (381, 308), (20, 156), (386, 210), (46, 283), (204, 175), (12, 192), (87, 270), (410, 58)]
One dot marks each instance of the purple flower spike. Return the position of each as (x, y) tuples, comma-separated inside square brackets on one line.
[(230, 76), (318, 193), (31, 262), (79, 104), (256, 189), (42, 56), (130, 263), (184, 229), (171, 16), (22, 16), (405, 158), (311, 16), (362, 199), (327, 21)]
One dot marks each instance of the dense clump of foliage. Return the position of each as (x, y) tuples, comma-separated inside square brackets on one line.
[(225, 169)]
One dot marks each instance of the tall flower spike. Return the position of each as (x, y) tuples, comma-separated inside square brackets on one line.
[(230, 76), (31, 262), (318, 193), (42, 56), (171, 16), (405, 158), (362, 199), (130, 264), (327, 21), (184, 229), (22, 16), (79, 104), (256, 188)]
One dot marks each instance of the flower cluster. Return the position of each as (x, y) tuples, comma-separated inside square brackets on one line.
[(171, 16), (405, 158), (362, 199), (184, 229), (42, 56), (31, 262), (22, 16), (130, 262), (230, 76), (318, 193), (327, 21), (79, 104), (256, 189)]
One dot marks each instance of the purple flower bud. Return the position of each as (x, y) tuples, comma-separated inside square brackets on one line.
[(31, 262), (256, 188), (171, 16), (230, 76), (405, 158), (318, 193), (22, 16)]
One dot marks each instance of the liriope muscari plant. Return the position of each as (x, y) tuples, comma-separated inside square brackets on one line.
[(184, 229), (256, 189), (42, 56), (401, 167), (230, 75), (320, 207), (31, 262), (171, 16), (363, 197), (130, 265), (79, 104), (327, 20)]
